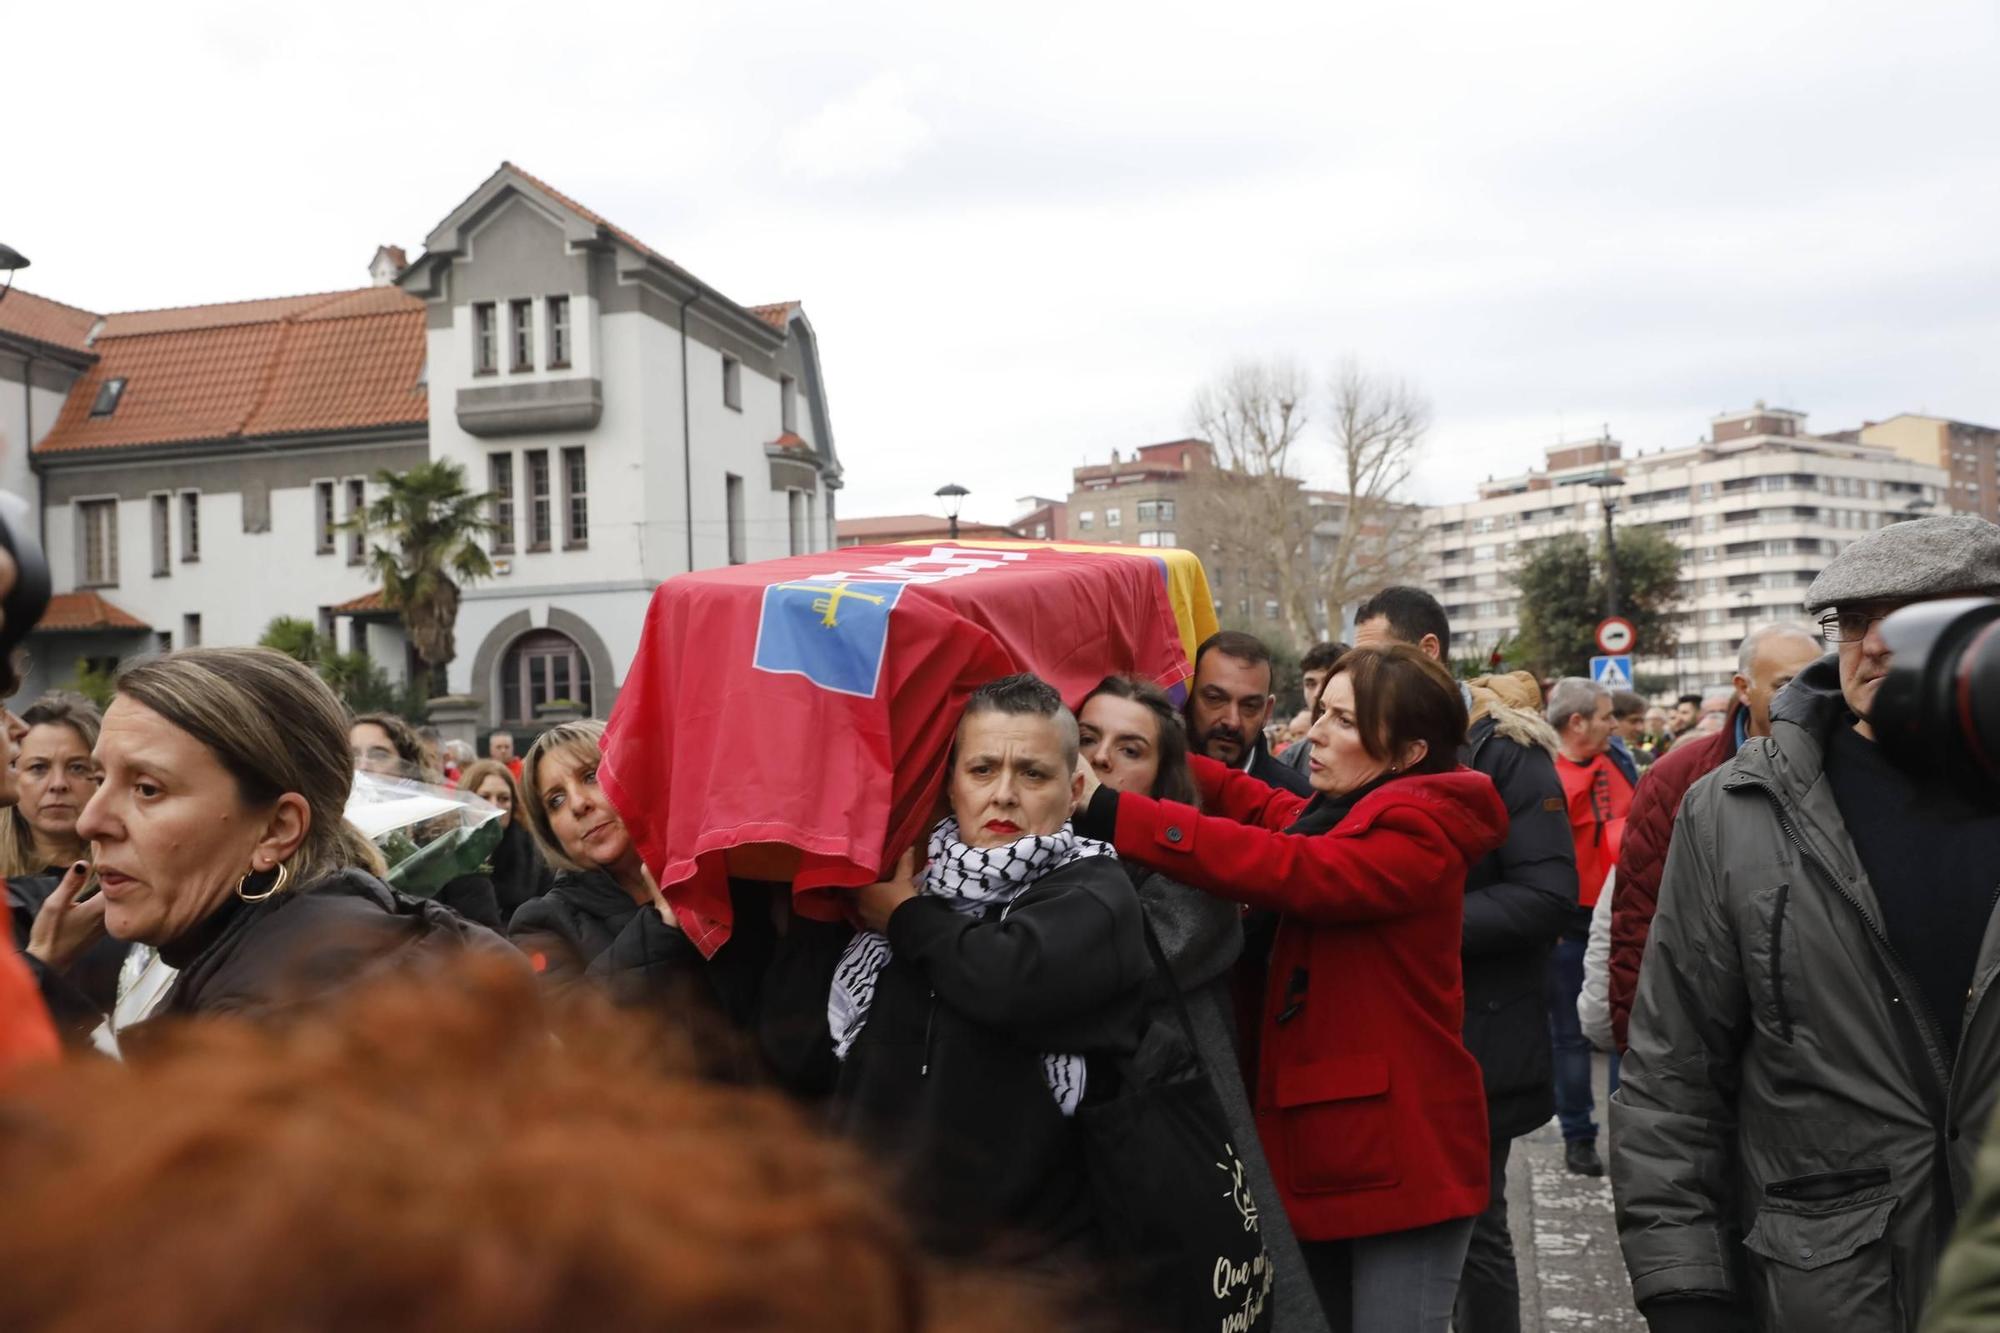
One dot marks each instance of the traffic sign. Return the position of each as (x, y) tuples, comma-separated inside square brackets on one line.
[(1615, 635), (1614, 673)]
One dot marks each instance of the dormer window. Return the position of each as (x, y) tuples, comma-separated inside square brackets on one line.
[(108, 394)]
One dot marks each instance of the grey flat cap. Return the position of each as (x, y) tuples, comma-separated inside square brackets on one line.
[(1953, 555)]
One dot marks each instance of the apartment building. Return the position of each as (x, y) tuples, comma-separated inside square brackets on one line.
[(1969, 453), (1758, 507), (192, 467)]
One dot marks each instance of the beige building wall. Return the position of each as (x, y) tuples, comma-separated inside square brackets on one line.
[(1919, 439)]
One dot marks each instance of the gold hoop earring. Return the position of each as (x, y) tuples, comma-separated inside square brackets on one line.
[(277, 885)]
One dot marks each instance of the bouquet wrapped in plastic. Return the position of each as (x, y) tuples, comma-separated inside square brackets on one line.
[(428, 835)]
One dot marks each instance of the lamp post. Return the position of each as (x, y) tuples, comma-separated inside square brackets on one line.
[(10, 259), (952, 495), (1606, 484)]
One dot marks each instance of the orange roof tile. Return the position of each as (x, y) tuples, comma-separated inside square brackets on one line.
[(85, 611), (367, 601), (778, 316), (244, 369), (790, 440), (52, 322)]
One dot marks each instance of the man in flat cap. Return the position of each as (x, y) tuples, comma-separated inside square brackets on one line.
[(1813, 1055)]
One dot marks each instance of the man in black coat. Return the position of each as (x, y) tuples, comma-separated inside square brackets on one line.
[(1228, 705), (1517, 901)]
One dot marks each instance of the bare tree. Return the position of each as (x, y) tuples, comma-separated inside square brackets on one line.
[(1251, 508), (1378, 424), (1310, 552)]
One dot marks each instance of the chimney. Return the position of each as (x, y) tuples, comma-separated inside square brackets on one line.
[(387, 265)]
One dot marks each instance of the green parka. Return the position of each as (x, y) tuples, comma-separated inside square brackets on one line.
[(1788, 1133)]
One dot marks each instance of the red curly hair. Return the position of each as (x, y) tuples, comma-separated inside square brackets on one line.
[(425, 1156)]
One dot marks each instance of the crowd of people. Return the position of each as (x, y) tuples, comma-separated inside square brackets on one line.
[(1178, 1016)]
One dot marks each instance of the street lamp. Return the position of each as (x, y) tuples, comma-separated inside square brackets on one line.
[(1605, 485), (10, 259), (952, 495)]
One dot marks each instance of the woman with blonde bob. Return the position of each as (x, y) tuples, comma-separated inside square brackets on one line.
[(221, 839), (604, 921)]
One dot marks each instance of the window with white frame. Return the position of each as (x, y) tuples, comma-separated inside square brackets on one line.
[(540, 668), (732, 383), (190, 526), (1086, 520), (788, 408), (732, 498), (98, 521), (541, 519), (357, 505), (576, 498), (500, 484), (797, 511), (1114, 518), (324, 519), (558, 333), (485, 355), (163, 540), (521, 335)]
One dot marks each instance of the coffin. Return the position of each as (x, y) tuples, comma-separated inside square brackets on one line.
[(791, 720)]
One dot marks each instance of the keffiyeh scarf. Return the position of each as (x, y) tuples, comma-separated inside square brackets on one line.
[(970, 880)]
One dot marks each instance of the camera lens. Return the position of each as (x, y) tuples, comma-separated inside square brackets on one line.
[(1937, 712)]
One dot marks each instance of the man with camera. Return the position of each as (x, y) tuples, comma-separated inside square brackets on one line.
[(1812, 1061)]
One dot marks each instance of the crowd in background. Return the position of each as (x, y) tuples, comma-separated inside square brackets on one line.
[(1161, 980)]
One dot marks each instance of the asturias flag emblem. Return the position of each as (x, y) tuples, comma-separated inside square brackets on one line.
[(832, 631)]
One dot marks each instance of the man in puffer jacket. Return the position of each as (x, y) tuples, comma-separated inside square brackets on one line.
[(1517, 901), (1814, 1052), (1766, 661)]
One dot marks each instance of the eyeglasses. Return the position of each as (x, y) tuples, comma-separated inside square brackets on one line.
[(1849, 626)]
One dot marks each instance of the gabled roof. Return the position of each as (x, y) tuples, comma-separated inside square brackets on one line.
[(75, 611), (332, 361), (365, 604), (27, 315)]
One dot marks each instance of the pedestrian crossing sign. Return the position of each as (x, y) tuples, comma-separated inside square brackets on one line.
[(1612, 672)]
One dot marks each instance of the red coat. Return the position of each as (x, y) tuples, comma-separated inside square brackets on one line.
[(1648, 830), (1370, 1110), (1599, 797)]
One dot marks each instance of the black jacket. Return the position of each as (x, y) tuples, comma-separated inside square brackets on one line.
[(518, 871), (1517, 901), (586, 929), (94, 975), (946, 1078), (291, 951), (1276, 773)]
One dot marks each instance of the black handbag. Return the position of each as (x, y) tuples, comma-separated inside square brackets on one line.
[(1174, 1209)]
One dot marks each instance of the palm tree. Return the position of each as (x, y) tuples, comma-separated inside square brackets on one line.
[(431, 524)]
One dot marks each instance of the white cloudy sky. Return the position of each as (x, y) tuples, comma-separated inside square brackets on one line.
[(1026, 233)]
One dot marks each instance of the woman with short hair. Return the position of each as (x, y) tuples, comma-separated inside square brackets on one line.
[(1372, 1111), (56, 776), (221, 839), (518, 871)]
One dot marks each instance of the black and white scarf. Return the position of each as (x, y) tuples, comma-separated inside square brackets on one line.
[(969, 880)]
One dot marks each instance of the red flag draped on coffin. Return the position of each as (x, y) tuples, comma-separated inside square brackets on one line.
[(808, 704)]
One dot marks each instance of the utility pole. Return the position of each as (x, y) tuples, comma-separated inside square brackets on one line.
[(1606, 485)]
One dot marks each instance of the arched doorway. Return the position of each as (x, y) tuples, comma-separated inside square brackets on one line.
[(540, 668)]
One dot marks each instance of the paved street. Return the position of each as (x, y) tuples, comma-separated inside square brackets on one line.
[(1566, 1242)]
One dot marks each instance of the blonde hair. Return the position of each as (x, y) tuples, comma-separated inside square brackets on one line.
[(277, 728), (581, 741), (58, 708)]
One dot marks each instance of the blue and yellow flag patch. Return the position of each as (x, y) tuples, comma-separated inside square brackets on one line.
[(831, 631)]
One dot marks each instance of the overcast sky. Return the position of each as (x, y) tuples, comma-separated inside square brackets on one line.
[(1027, 233)]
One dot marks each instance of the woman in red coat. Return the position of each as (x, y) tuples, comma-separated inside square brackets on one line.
[(1369, 1107)]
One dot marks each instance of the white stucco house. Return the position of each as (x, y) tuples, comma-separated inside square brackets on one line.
[(189, 467)]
